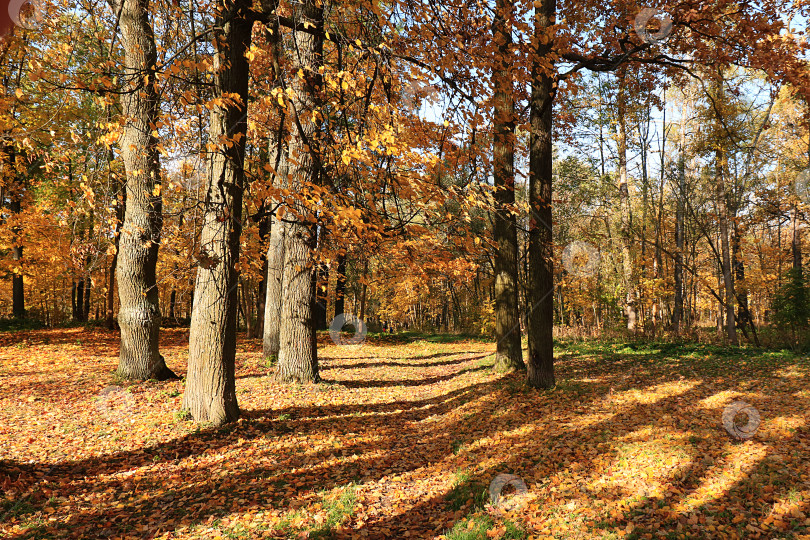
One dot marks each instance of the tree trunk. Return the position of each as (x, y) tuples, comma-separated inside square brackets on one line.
[(728, 275), (264, 231), (321, 284), (540, 372), (246, 307), (796, 243), (275, 246), (509, 354), (14, 192), (78, 309), (139, 311), (298, 357), (110, 314), (298, 354), (120, 206), (624, 200), (172, 304), (273, 294), (363, 298), (677, 312), (211, 388), (738, 262), (17, 284), (340, 286), (86, 309)]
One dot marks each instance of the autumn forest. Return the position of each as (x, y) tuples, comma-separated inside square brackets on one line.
[(450, 269)]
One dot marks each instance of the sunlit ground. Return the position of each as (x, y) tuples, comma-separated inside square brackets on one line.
[(402, 440)]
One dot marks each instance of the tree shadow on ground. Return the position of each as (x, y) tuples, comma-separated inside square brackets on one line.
[(398, 448)]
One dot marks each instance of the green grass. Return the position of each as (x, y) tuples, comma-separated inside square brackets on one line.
[(466, 492), (10, 508), (20, 325), (182, 415), (337, 510), (476, 528)]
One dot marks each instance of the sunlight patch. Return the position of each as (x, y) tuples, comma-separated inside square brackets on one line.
[(736, 466)]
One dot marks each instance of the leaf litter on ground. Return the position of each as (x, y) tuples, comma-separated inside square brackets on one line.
[(401, 440)]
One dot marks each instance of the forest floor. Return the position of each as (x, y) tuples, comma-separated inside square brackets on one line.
[(402, 440)]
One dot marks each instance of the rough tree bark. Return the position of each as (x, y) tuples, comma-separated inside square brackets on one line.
[(298, 355), (509, 353), (273, 293), (211, 388), (139, 310), (540, 373)]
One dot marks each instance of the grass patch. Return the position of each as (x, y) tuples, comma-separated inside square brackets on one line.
[(477, 527), (466, 492), (337, 510), (10, 508)]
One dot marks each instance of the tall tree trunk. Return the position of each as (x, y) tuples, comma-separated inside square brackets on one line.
[(120, 205), (738, 262), (139, 310), (796, 243), (625, 237), (321, 284), (298, 354), (119, 220), (264, 232), (677, 312), (340, 286), (274, 292), (320, 277), (644, 130), (78, 304), (11, 189), (509, 354), (173, 304), (728, 276), (211, 388), (88, 279), (364, 292), (275, 246), (723, 218), (17, 284), (86, 309), (540, 372)]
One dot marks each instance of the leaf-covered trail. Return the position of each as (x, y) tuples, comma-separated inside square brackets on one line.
[(393, 440)]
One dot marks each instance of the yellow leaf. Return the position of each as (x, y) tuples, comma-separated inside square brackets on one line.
[(19, 93)]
